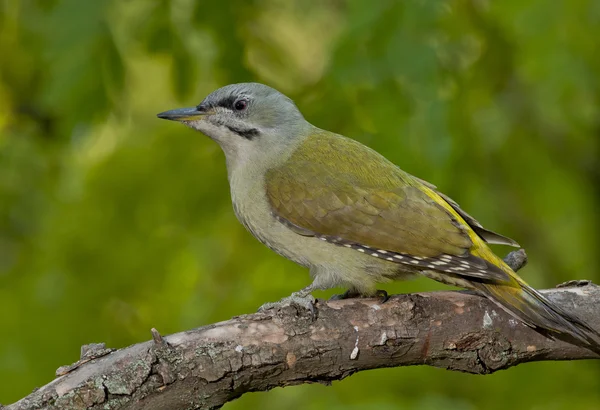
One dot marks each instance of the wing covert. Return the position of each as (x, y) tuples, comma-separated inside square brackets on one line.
[(371, 205)]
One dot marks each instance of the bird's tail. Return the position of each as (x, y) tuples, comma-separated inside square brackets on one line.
[(534, 309), (506, 288)]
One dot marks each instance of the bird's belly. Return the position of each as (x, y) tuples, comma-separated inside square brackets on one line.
[(253, 211), (330, 265)]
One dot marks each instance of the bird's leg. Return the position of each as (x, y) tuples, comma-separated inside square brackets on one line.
[(302, 298)]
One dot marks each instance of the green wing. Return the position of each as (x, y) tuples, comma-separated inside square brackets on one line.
[(341, 191)]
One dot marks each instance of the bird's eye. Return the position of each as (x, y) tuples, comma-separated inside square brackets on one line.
[(240, 105)]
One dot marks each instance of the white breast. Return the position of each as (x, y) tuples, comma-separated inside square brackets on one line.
[(253, 210)]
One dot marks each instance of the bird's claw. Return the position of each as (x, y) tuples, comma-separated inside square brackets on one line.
[(349, 294), (382, 294), (306, 302)]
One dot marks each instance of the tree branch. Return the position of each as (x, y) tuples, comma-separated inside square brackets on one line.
[(211, 365)]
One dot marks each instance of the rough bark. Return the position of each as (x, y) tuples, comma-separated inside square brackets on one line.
[(211, 365)]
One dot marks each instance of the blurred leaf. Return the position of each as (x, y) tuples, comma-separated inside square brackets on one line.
[(183, 69), (113, 222)]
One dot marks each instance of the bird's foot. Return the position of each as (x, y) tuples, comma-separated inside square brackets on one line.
[(382, 295), (349, 294), (298, 299)]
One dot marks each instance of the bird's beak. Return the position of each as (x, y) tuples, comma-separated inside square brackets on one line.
[(183, 114)]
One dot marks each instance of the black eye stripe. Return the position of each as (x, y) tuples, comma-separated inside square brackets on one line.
[(227, 102), (231, 101)]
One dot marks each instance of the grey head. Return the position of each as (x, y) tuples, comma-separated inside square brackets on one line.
[(250, 121)]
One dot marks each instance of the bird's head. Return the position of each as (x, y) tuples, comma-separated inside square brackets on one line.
[(245, 119)]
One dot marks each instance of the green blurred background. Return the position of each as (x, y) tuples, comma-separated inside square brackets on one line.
[(113, 222)]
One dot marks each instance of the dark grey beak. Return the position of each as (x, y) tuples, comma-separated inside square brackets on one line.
[(182, 114)]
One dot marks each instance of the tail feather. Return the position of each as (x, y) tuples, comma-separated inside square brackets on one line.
[(503, 286), (535, 310)]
